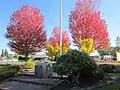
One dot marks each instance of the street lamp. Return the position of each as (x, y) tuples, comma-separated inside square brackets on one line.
[(60, 27)]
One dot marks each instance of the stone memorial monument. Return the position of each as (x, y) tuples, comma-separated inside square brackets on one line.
[(43, 69)]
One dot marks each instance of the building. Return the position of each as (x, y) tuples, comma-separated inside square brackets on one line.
[(36, 56), (107, 57), (95, 55), (39, 56)]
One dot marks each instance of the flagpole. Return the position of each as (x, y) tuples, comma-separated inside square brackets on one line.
[(60, 27)]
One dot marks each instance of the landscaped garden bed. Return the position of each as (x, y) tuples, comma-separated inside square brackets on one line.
[(7, 71), (84, 73), (111, 81)]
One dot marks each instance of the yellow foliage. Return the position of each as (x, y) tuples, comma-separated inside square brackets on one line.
[(87, 45), (54, 50), (30, 64)]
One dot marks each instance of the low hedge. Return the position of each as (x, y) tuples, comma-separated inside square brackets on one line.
[(7, 71), (109, 68), (30, 64)]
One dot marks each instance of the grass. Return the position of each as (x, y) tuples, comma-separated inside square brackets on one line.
[(52, 62), (115, 86), (111, 63), (12, 63)]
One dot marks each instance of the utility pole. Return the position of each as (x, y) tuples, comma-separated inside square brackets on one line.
[(60, 27)]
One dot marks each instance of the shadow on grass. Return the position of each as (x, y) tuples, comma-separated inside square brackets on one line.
[(114, 86)]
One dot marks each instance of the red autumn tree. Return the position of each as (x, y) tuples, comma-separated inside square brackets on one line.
[(85, 22), (26, 31), (53, 44)]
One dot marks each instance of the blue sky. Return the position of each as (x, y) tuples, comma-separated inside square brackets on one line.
[(50, 9)]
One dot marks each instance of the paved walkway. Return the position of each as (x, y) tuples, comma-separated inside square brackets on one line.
[(37, 81), (29, 82), (21, 86)]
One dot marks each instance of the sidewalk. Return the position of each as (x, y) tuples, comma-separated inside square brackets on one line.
[(27, 81)]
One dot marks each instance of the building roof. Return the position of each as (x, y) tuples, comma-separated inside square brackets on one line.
[(39, 56), (95, 53)]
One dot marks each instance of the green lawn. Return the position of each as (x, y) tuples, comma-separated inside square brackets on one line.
[(111, 63), (115, 86), (13, 63)]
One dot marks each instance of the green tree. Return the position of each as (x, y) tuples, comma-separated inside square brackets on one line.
[(109, 51), (3, 53), (6, 52), (118, 43)]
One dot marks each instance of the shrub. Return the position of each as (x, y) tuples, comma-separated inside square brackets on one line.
[(75, 63), (100, 73), (30, 64), (110, 68), (107, 68), (8, 71), (22, 58), (117, 69)]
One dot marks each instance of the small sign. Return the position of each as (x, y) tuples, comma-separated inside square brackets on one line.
[(118, 56)]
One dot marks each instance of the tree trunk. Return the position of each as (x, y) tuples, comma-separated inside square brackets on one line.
[(73, 79), (26, 50), (77, 77), (61, 76), (26, 57), (55, 58)]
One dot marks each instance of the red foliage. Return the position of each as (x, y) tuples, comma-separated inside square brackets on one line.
[(85, 22), (26, 31), (55, 38)]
